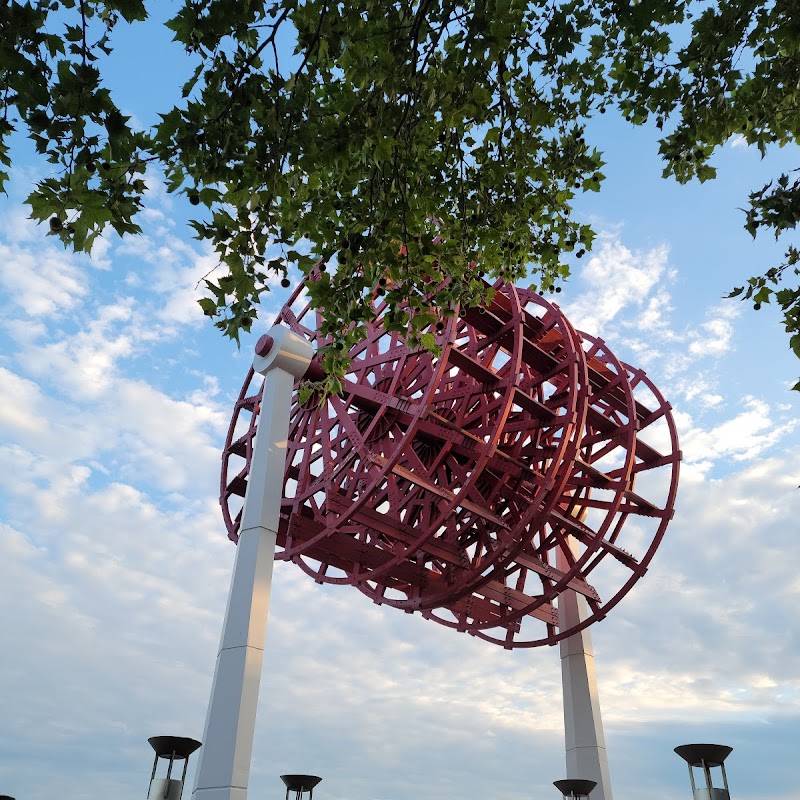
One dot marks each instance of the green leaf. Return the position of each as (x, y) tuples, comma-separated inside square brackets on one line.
[(428, 341), (208, 305), (459, 135)]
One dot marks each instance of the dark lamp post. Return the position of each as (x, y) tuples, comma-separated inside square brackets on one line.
[(706, 757), (170, 749), (297, 785)]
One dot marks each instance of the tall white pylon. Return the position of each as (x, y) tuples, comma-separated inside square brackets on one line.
[(583, 724), (224, 768)]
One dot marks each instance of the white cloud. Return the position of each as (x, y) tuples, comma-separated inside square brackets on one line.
[(46, 283), (23, 399), (170, 438), (101, 250), (139, 592), (697, 389), (625, 295), (743, 437), (724, 570), (85, 363), (174, 274), (715, 335), (617, 279), (654, 318)]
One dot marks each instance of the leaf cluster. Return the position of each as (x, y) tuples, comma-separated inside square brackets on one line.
[(52, 89), (399, 145), (711, 72)]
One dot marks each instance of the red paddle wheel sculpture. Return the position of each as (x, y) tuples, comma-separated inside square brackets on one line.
[(477, 485)]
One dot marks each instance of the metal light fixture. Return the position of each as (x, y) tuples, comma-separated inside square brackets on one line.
[(706, 757), (297, 785), (574, 788), (171, 749)]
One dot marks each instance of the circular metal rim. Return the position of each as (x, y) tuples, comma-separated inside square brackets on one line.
[(505, 554)]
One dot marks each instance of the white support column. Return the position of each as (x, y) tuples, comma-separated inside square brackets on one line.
[(583, 725), (224, 767)]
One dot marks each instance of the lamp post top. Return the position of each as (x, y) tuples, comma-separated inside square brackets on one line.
[(172, 746), (300, 783), (712, 755), (575, 787)]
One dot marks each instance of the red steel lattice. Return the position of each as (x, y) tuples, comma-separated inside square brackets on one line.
[(477, 486)]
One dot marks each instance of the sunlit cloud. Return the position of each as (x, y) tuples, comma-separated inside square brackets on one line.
[(616, 279), (41, 283), (715, 335)]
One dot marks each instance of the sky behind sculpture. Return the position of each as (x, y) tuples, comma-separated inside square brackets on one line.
[(114, 564)]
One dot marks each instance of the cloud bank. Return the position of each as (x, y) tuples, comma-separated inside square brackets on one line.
[(114, 565)]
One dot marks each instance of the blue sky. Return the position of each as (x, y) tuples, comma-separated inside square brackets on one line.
[(114, 564)]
